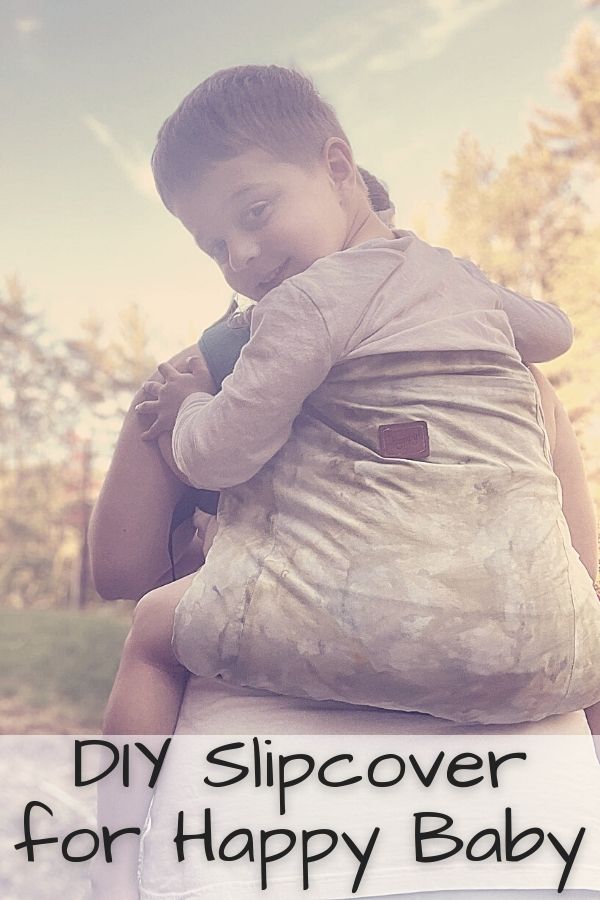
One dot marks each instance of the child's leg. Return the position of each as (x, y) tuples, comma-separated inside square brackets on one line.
[(593, 718), (149, 685), (145, 700)]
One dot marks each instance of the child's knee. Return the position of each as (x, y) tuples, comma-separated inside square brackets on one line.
[(152, 627)]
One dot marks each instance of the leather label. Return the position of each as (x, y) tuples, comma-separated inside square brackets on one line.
[(404, 440)]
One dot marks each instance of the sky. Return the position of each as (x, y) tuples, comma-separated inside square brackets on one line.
[(85, 85)]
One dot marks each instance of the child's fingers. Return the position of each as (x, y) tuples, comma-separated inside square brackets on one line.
[(168, 371), (147, 407), (155, 430), (151, 389), (196, 365)]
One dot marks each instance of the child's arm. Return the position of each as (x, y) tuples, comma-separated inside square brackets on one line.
[(163, 401), (222, 441), (541, 330)]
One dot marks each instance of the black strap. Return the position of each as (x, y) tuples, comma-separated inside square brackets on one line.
[(221, 345)]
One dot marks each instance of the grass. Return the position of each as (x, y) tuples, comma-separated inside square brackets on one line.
[(57, 668)]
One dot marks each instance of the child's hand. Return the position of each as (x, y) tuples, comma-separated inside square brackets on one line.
[(169, 395)]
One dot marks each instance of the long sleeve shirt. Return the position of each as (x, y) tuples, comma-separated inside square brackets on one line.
[(383, 296)]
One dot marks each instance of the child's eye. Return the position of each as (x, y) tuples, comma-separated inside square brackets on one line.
[(219, 252), (257, 213)]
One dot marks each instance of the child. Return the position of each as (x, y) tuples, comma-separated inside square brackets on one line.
[(391, 532)]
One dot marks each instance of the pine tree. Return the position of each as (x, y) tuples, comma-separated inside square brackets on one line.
[(516, 222), (577, 135), (526, 224)]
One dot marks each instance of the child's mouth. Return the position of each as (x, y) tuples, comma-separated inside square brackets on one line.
[(275, 278)]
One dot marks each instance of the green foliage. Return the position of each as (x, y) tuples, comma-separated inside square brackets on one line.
[(577, 374), (577, 136), (107, 372), (61, 659), (527, 225), (517, 222), (36, 406), (49, 390)]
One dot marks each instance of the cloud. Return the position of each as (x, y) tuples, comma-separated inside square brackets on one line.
[(332, 62), (354, 34), (27, 25), (392, 35), (450, 17), (134, 165)]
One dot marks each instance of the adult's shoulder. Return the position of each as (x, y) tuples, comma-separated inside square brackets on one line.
[(221, 344)]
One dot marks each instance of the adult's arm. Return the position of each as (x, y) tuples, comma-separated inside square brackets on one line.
[(578, 506), (567, 463), (130, 523)]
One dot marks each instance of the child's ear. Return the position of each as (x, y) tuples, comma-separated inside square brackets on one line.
[(340, 164)]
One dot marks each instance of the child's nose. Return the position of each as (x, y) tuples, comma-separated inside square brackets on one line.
[(241, 252)]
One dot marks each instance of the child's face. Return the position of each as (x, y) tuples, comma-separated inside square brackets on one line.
[(264, 220)]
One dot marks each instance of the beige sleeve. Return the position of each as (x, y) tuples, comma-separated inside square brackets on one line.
[(224, 440), (541, 330)]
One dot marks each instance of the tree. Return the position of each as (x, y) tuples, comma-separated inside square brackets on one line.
[(37, 409), (106, 372), (537, 215), (516, 222), (576, 136), (34, 405), (469, 224), (577, 374), (526, 225), (61, 404)]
